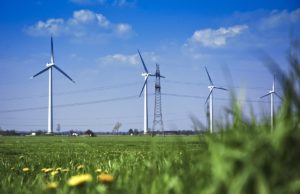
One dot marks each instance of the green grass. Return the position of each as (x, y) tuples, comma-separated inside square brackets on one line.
[(235, 161), (137, 163)]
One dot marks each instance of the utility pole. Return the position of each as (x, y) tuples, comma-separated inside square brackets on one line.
[(158, 125)]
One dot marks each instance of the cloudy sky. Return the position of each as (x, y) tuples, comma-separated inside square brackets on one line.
[(96, 42)]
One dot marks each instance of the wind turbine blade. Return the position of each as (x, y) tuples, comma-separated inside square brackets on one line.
[(273, 86), (52, 51), (278, 95), (209, 77), (143, 61), (162, 76), (143, 86), (221, 88), (61, 71), (208, 96), (265, 95), (41, 72)]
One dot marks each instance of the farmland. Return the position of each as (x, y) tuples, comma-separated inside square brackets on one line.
[(231, 162), (129, 159)]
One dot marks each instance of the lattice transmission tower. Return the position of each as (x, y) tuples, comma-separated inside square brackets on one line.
[(158, 125)]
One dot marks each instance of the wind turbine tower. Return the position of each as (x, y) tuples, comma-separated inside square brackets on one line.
[(146, 75), (211, 88), (49, 67), (271, 93), (158, 125)]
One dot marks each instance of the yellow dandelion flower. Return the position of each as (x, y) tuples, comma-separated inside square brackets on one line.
[(105, 178), (79, 167), (25, 169), (79, 180), (99, 170), (58, 169), (52, 185), (65, 170), (48, 170), (43, 169), (53, 173)]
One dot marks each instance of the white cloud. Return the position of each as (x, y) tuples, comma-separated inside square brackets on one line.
[(88, 2), (83, 17), (51, 26), (118, 3), (124, 3), (277, 18), (123, 29), (120, 59), (123, 59), (215, 38), (82, 23)]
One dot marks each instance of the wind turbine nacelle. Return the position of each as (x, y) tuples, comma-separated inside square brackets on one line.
[(49, 64), (145, 74), (210, 87)]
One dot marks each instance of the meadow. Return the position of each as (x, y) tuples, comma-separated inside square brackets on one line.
[(233, 161), (137, 164)]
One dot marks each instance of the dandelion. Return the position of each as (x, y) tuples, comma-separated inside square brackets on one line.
[(52, 185), (25, 169), (65, 170), (48, 170), (79, 167), (79, 180), (105, 178), (53, 173), (99, 170), (58, 169), (43, 169)]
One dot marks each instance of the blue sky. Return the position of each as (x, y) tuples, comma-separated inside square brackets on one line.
[(96, 42)]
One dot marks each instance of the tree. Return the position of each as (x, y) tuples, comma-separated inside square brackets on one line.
[(89, 133), (130, 131), (135, 132), (117, 127), (58, 128)]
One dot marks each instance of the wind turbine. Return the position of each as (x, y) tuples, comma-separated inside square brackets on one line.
[(49, 67), (271, 93), (146, 75), (211, 88)]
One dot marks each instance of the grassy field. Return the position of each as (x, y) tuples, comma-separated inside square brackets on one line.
[(231, 162), (137, 164)]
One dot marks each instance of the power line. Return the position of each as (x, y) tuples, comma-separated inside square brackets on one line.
[(119, 99), (203, 97), (71, 104), (101, 88), (94, 89), (205, 84)]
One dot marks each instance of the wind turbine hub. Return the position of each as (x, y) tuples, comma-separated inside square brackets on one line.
[(145, 74), (49, 64)]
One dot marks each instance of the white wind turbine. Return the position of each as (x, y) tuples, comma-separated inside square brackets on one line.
[(146, 75), (49, 67), (211, 88), (271, 93)]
